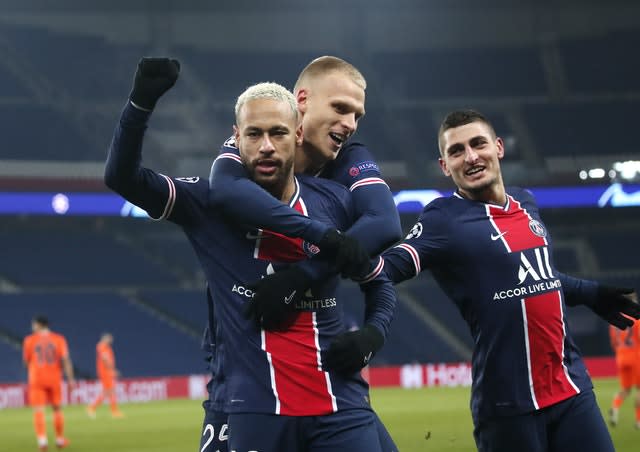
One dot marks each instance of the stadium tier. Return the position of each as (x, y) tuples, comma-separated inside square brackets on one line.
[(583, 129), (594, 64), (188, 307), (446, 73), (145, 344), (55, 258), (86, 68), (12, 369)]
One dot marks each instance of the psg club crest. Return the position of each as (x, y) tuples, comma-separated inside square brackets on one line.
[(416, 231), (537, 228), (310, 249), (231, 142)]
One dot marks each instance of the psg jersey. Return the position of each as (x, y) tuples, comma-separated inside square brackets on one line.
[(496, 264), (258, 371)]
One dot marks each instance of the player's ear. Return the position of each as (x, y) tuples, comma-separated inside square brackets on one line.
[(236, 133), (301, 99), (500, 147), (443, 167), (299, 135)]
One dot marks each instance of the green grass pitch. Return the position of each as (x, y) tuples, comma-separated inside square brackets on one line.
[(435, 419)]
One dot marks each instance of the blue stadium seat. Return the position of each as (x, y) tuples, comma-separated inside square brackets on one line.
[(50, 258), (12, 369), (144, 344), (187, 306), (580, 129), (602, 64), (462, 73)]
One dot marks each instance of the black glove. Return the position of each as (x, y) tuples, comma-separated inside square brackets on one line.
[(275, 297), (351, 351), (612, 302), (154, 77), (349, 257)]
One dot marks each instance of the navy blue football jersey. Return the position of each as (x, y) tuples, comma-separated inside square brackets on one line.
[(261, 371), (377, 224), (495, 263)]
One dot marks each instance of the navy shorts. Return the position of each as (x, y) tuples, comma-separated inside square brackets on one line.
[(214, 430), (573, 425), (346, 431)]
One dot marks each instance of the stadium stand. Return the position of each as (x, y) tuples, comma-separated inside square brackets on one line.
[(446, 73), (36, 256), (146, 345), (11, 358), (186, 306), (593, 64)]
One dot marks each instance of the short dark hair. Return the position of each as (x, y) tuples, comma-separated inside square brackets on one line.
[(41, 320), (459, 118)]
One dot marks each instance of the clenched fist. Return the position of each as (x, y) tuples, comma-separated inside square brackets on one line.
[(154, 77)]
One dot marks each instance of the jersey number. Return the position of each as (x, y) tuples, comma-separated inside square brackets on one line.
[(211, 432), (45, 353)]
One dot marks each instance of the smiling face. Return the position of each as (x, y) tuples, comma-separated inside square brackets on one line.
[(267, 134), (331, 104), (470, 154)]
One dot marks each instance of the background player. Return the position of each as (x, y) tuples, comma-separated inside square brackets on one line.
[(107, 373), (45, 355), (220, 247), (490, 252), (626, 345)]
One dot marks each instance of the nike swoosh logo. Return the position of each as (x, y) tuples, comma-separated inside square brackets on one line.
[(497, 236), (288, 299)]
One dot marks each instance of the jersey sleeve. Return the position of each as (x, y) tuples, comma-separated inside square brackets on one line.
[(63, 347), (26, 350), (578, 291), (380, 302), (422, 248), (163, 197), (250, 204), (377, 224)]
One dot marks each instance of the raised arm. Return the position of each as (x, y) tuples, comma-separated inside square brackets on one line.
[(123, 172)]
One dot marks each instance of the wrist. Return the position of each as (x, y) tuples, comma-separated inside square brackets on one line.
[(139, 107), (374, 335)]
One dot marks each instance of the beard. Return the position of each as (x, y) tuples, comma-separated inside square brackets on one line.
[(274, 183)]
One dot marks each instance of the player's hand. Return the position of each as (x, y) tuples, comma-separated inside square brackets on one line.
[(612, 302), (275, 297), (349, 257), (351, 351), (154, 77)]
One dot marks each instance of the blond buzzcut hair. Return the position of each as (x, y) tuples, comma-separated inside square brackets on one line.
[(267, 90), (326, 64)]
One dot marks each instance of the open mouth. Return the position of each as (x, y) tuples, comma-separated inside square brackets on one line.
[(267, 166), (474, 171), (338, 139)]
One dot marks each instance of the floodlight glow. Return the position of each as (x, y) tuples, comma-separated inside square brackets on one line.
[(596, 173)]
